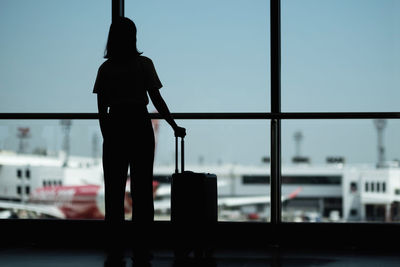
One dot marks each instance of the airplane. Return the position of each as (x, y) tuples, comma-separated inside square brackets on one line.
[(78, 202)]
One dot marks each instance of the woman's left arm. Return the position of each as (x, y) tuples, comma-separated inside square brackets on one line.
[(103, 116)]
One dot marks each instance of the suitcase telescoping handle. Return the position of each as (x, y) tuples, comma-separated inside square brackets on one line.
[(182, 155)]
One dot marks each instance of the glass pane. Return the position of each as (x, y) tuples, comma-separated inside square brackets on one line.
[(211, 56), (340, 55), (236, 151), (341, 170), (53, 169), (50, 53)]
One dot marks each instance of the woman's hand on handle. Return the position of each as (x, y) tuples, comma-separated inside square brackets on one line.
[(162, 108), (179, 131)]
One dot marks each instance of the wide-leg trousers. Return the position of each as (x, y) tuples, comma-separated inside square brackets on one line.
[(129, 144)]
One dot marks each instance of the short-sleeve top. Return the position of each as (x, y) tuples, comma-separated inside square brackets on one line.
[(127, 81)]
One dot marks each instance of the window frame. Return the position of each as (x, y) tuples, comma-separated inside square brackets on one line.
[(275, 117)]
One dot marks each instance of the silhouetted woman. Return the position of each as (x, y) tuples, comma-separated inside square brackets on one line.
[(123, 82)]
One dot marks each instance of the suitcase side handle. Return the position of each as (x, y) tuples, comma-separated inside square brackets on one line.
[(182, 155)]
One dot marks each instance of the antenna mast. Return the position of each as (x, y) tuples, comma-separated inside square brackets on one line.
[(23, 134), (298, 137), (95, 148), (380, 125), (66, 128)]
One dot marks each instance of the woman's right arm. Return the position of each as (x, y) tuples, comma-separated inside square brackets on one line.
[(153, 85), (162, 108)]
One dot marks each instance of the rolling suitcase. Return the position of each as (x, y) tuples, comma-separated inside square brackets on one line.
[(193, 207)]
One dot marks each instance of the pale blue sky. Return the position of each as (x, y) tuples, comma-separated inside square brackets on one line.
[(340, 55), (213, 56)]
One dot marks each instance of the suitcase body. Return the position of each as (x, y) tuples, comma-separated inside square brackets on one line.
[(194, 209), (194, 198)]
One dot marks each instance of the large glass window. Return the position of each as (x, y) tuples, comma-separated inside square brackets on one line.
[(51, 169), (211, 56), (50, 52), (231, 149), (348, 166), (340, 55), (59, 161), (337, 56)]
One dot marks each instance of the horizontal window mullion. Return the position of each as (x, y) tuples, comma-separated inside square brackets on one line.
[(340, 115), (216, 115)]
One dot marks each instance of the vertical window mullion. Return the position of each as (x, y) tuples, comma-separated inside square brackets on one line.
[(275, 108), (117, 8)]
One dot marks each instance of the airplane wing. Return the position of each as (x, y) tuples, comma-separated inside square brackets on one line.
[(37, 208), (253, 200), (165, 204), (162, 205), (242, 201), (165, 190)]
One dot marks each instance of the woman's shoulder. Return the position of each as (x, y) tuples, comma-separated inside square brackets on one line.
[(146, 60), (105, 65)]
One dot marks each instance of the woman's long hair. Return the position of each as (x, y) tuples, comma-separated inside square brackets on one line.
[(121, 41)]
